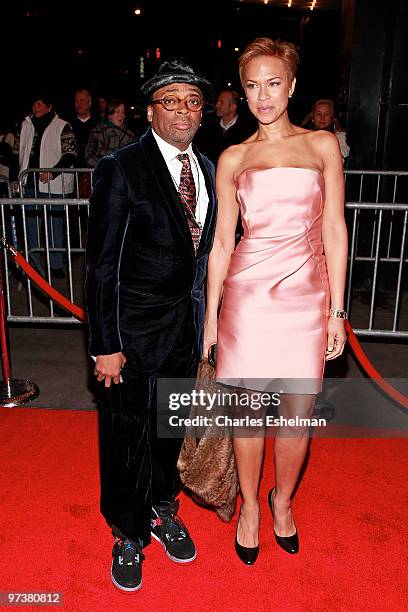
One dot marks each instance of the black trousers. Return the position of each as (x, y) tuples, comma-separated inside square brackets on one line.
[(138, 469)]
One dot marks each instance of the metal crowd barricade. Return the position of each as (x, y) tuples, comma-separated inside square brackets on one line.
[(377, 288), (5, 182), (7, 190), (71, 186), (66, 179), (25, 303)]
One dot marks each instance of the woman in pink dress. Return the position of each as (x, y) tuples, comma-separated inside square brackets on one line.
[(282, 288)]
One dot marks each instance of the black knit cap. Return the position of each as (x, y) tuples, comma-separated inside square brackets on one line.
[(175, 70)]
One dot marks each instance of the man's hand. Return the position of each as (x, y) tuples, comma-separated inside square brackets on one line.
[(45, 177), (108, 367)]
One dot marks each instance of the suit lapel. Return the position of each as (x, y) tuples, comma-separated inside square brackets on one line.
[(166, 185), (207, 234)]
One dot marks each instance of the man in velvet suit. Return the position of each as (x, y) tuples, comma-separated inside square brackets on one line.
[(151, 226)]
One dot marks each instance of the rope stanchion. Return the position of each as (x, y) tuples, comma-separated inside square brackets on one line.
[(12, 392), (371, 371), (5, 361), (79, 313)]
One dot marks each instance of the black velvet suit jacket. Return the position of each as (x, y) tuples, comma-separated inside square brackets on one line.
[(142, 274)]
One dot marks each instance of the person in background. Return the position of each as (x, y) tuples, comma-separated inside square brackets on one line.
[(6, 159), (101, 103), (109, 134), (82, 123), (323, 117), (46, 141), (6, 151), (226, 129)]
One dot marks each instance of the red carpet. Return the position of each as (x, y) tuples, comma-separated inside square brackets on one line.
[(351, 513)]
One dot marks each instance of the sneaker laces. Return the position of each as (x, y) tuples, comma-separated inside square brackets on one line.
[(129, 551), (171, 523)]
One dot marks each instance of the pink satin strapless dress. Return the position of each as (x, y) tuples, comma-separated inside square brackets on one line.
[(273, 321)]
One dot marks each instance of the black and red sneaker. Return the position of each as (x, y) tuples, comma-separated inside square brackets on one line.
[(127, 565), (168, 529)]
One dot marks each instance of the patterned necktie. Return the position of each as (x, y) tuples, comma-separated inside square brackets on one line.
[(187, 193)]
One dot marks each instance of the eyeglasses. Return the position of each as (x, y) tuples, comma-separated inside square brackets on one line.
[(170, 103)]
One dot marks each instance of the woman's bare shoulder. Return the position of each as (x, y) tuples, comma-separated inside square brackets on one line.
[(301, 131), (232, 157), (323, 140), (326, 146)]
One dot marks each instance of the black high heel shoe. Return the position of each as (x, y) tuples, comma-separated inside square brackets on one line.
[(290, 544), (247, 555)]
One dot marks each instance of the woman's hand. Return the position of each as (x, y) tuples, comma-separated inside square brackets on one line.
[(210, 336), (336, 338)]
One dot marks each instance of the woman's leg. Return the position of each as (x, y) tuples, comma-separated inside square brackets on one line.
[(248, 456), (249, 442), (291, 445)]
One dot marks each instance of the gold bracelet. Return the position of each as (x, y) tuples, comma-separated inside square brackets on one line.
[(337, 313)]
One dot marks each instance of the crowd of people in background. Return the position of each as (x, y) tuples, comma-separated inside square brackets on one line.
[(93, 130), (99, 125)]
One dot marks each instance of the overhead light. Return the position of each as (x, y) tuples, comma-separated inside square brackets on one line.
[(289, 3), (236, 49), (313, 5), (138, 11)]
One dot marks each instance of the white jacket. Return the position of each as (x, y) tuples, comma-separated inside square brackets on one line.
[(345, 149), (50, 153)]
